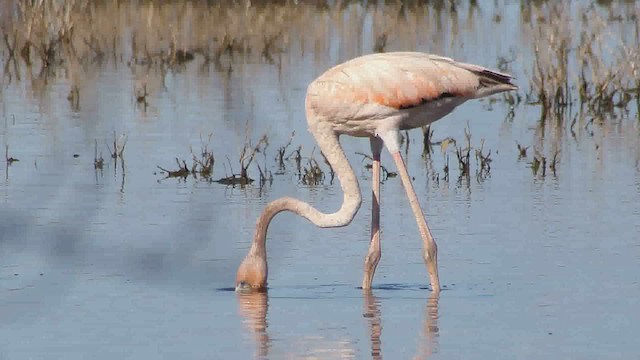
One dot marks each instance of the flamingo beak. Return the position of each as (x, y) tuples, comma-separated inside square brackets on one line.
[(432, 267), (243, 287)]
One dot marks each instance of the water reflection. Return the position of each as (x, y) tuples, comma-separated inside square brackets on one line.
[(148, 52), (122, 69), (428, 345), (372, 314), (253, 309)]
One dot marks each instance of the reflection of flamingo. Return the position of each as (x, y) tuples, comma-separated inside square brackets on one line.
[(374, 96), (428, 345), (430, 331), (372, 314), (253, 308)]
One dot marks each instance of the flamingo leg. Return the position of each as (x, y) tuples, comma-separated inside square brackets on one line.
[(375, 252), (430, 251)]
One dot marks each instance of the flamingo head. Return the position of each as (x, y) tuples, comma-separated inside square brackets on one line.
[(252, 274)]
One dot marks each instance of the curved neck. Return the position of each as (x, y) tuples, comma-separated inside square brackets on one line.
[(328, 142)]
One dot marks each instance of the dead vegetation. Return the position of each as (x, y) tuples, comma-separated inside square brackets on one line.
[(539, 164), (203, 163), (201, 166), (483, 160), (98, 162), (385, 174), (247, 156), (591, 58), (280, 158), (67, 36), (9, 159), (522, 151), (427, 136), (312, 174), (118, 146), (51, 33), (582, 72), (309, 173), (463, 155)]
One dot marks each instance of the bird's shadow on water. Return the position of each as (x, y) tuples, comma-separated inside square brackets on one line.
[(404, 287), (329, 287), (253, 309)]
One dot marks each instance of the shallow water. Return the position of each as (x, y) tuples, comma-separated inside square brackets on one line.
[(125, 263)]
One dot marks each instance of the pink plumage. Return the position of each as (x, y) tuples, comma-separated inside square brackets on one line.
[(374, 96)]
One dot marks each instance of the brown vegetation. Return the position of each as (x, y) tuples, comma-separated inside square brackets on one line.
[(581, 71), (202, 164)]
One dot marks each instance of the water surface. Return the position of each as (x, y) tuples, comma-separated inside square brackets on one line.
[(122, 262)]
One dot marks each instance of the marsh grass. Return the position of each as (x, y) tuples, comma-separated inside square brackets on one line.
[(589, 66), (181, 172), (119, 145), (9, 159), (583, 74), (280, 158), (577, 57), (427, 136), (385, 174), (312, 173), (247, 155), (202, 163), (522, 151), (539, 164), (463, 157), (98, 162), (72, 34), (483, 160), (580, 66), (141, 95)]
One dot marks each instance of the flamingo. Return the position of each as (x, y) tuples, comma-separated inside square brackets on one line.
[(374, 96)]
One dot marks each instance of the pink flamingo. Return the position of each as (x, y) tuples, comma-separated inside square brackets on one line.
[(374, 96)]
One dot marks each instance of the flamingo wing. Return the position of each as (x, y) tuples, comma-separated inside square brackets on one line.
[(405, 80)]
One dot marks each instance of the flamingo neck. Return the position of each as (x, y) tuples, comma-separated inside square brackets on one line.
[(259, 247), (330, 146)]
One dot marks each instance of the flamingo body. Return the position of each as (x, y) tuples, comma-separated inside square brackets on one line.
[(374, 96), (402, 90)]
